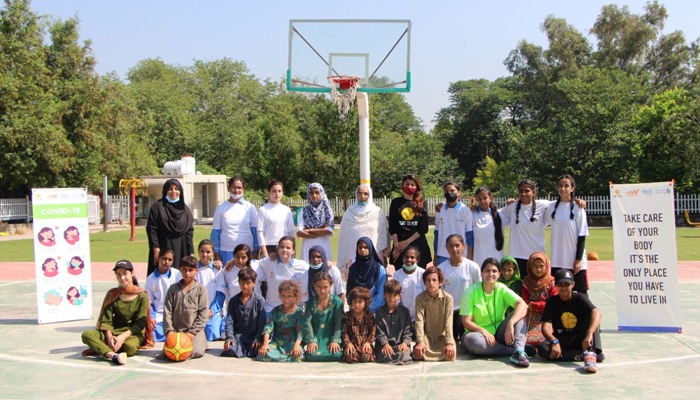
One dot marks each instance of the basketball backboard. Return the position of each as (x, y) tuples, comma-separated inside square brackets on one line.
[(378, 51)]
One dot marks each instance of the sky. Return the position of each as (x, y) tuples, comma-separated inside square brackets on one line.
[(451, 40)]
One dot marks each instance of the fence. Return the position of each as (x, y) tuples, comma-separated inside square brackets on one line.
[(15, 210), (21, 209), (595, 205)]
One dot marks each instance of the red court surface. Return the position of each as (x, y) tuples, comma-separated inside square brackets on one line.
[(598, 271)]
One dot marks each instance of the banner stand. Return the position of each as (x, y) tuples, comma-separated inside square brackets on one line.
[(62, 255), (646, 260)]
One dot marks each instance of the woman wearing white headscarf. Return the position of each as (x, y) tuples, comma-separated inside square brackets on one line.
[(315, 224), (362, 219)]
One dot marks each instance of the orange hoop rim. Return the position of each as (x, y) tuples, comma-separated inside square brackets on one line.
[(345, 82)]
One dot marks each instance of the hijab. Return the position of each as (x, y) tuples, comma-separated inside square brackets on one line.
[(317, 214), (312, 271), (365, 272), (534, 284), (369, 205), (514, 282), (176, 217)]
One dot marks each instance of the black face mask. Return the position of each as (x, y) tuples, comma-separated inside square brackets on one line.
[(450, 197), (363, 258)]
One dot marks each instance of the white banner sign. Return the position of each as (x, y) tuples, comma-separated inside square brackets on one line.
[(646, 262), (62, 255)]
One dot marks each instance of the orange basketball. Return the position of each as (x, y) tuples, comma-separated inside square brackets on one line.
[(593, 256), (178, 346)]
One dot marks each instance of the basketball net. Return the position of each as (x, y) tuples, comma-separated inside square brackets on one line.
[(344, 99)]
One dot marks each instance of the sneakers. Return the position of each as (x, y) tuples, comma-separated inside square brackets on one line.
[(520, 358), (589, 361), (119, 358)]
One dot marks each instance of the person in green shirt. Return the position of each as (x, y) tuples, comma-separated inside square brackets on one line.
[(488, 330), (124, 324)]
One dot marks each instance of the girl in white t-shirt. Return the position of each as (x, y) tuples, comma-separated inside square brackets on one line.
[(489, 223), (569, 231), (227, 281), (452, 217), (284, 267), (235, 222), (460, 273), (274, 221), (411, 279), (527, 222)]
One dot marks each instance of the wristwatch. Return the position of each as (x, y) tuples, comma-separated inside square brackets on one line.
[(555, 341)]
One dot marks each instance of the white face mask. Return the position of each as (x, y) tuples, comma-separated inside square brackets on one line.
[(235, 196)]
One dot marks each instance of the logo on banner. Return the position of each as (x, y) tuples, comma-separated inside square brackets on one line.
[(632, 193), (648, 192), (617, 193)]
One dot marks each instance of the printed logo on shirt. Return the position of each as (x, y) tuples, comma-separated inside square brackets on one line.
[(408, 214), (155, 288), (568, 320), (446, 282)]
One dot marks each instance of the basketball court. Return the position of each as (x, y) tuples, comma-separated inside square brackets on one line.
[(44, 361), (346, 58)]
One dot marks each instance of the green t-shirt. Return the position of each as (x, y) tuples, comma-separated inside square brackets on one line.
[(488, 310)]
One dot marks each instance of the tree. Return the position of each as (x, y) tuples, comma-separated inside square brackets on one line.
[(54, 110), (668, 139), (476, 123)]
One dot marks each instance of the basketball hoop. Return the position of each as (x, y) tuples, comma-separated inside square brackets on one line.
[(348, 84)]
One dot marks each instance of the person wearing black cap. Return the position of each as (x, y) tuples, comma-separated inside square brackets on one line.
[(170, 226), (124, 324), (570, 325)]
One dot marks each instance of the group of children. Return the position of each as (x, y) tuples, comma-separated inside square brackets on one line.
[(428, 306)]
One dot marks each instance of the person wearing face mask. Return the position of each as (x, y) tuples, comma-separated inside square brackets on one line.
[(408, 222), (454, 218), (170, 226), (315, 225), (235, 222), (318, 262), (362, 219)]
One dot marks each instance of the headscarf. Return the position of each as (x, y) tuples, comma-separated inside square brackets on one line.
[(313, 272), (367, 208), (176, 217), (514, 283), (361, 221), (112, 296), (319, 213), (534, 284), (365, 272)]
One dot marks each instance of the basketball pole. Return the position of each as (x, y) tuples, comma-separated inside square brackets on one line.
[(363, 116)]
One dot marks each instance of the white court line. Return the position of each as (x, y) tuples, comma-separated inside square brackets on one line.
[(11, 283), (165, 369)]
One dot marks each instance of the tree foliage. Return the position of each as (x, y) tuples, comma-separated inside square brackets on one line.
[(621, 109)]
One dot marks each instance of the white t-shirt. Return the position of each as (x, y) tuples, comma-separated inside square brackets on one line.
[(157, 288), (450, 221), (207, 277), (227, 281), (337, 288), (485, 236), (526, 237), (308, 243), (274, 221), (565, 233), (458, 279), (411, 286), (235, 221), (276, 272)]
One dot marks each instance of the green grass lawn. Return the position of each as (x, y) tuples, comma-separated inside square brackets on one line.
[(113, 246)]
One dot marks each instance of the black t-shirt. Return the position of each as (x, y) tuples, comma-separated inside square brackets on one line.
[(404, 222), (567, 316)]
